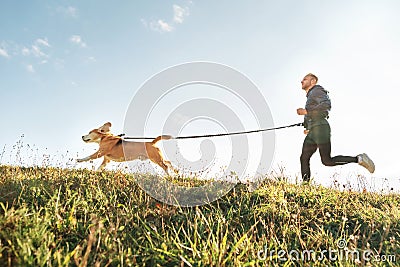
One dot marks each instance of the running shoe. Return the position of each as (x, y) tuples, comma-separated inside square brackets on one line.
[(366, 162)]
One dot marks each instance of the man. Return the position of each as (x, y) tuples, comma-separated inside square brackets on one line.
[(318, 130)]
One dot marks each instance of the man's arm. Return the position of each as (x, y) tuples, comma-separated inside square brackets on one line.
[(302, 111)]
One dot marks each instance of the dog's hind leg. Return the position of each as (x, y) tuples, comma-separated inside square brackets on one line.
[(163, 165), (155, 156), (160, 162), (168, 163)]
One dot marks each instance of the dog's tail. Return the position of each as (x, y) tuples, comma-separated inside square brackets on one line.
[(161, 137)]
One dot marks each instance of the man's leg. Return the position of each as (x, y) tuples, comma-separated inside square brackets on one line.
[(322, 136), (309, 148), (327, 160)]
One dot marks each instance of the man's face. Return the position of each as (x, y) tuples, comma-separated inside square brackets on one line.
[(306, 83)]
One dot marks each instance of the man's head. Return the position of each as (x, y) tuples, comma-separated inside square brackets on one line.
[(309, 81)]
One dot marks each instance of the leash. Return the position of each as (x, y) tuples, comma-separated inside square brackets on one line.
[(217, 135)]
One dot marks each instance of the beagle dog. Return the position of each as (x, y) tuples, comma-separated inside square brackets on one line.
[(114, 148)]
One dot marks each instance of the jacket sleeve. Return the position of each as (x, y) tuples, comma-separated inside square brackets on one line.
[(320, 102)]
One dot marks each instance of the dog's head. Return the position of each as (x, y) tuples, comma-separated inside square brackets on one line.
[(95, 135)]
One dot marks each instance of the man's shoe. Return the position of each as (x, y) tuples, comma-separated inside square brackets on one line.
[(366, 162)]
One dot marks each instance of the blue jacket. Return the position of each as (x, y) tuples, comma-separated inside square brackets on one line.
[(318, 106)]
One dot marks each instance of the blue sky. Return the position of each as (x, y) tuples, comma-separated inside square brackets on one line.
[(69, 66)]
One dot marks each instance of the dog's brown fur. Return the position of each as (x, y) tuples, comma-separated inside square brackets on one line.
[(112, 148)]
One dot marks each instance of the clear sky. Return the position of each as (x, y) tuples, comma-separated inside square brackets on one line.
[(69, 66)]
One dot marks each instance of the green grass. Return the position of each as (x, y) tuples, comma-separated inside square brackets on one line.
[(58, 217)]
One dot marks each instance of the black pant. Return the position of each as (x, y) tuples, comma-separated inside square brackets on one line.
[(319, 137)]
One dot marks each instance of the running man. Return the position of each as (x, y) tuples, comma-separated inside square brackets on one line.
[(318, 130)]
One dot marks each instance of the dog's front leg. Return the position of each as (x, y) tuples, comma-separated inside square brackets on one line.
[(95, 155), (104, 163)]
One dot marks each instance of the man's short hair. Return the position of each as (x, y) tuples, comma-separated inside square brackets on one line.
[(313, 76)]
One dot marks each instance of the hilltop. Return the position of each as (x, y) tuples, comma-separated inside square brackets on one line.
[(61, 217)]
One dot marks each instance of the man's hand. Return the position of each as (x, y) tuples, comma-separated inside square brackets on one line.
[(301, 111)]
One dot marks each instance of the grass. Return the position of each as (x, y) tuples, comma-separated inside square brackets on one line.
[(60, 217)]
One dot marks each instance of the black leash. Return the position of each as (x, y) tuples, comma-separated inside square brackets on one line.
[(217, 135)]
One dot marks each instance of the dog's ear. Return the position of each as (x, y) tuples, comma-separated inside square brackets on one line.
[(105, 128)]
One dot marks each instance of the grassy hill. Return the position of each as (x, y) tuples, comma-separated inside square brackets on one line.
[(57, 217)]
